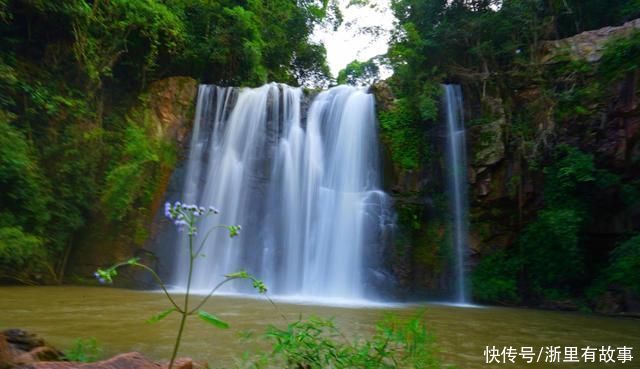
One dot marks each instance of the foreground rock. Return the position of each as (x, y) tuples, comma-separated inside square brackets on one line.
[(23, 350), (130, 360), (18, 347)]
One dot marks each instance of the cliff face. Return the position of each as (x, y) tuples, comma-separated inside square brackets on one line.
[(500, 174), (164, 113), (512, 132)]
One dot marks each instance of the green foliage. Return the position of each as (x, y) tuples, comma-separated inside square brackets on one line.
[(22, 255), (109, 30), (160, 316), (24, 197), (248, 43), (359, 73), (565, 180), (625, 264), (574, 88), (130, 184), (404, 139), (4, 15), (492, 42), (212, 319), (620, 57), (432, 249), (629, 9), (496, 50), (84, 350), (495, 279), (428, 101), (553, 259), (549, 260), (70, 71), (318, 343)]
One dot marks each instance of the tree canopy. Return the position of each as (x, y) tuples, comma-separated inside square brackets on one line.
[(70, 71)]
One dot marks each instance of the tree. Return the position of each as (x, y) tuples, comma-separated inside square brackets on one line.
[(359, 73)]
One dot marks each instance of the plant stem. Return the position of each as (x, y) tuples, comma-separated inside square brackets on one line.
[(186, 304), (160, 283)]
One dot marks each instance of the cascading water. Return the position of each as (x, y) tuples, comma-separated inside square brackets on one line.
[(457, 182), (306, 191)]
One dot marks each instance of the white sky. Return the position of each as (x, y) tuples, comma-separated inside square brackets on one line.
[(346, 45)]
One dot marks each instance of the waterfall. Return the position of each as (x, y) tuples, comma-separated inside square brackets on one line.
[(303, 183), (457, 184)]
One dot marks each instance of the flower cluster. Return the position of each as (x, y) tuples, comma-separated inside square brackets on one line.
[(179, 210), (183, 215), (102, 277)]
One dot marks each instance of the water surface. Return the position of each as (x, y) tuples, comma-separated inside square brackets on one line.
[(116, 318)]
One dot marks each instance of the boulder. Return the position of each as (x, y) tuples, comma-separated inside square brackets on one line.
[(19, 347)]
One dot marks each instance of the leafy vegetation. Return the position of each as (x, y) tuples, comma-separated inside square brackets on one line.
[(549, 260), (318, 343), (405, 140), (621, 56), (73, 75), (552, 108), (495, 279), (85, 350), (625, 261), (359, 73)]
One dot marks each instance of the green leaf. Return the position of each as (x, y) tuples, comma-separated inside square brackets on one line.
[(239, 274), (162, 315), (259, 285), (234, 230), (212, 319)]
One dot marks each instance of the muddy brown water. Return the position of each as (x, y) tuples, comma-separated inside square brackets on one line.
[(116, 318)]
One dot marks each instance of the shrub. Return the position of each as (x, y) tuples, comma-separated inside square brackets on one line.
[(495, 279), (84, 350), (317, 343), (624, 269)]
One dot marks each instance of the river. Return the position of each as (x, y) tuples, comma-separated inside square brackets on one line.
[(116, 318)]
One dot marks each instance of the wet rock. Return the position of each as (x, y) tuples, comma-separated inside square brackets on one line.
[(5, 353), (170, 103), (487, 141), (23, 340), (43, 353), (19, 347)]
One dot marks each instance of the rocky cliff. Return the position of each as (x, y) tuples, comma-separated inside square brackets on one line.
[(514, 127), (164, 113)]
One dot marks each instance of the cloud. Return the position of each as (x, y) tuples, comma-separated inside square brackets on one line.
[(351, 41)]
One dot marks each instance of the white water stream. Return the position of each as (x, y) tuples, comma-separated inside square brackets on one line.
[(304, 185)]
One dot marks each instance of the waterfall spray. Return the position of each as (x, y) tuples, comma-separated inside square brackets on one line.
[(307, 192)]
